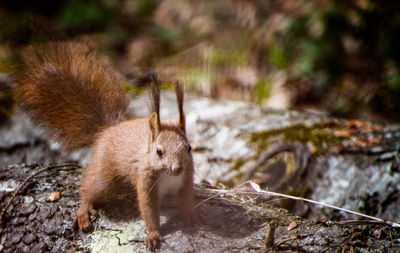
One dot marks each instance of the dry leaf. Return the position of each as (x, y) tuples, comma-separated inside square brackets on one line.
[(373, 140), (292, 225), (377, 127), (367, 128), (359, 143), (354, 123), (337, 149), (260, 180), (54, 196), (313, 149), (343, 133)]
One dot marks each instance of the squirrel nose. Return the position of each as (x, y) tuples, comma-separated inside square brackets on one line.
[(176, 170)]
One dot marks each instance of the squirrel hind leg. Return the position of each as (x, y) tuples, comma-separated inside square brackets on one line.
[(82, 219), (92, 191)]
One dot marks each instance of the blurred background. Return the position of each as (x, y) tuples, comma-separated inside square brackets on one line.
[(336, 56)]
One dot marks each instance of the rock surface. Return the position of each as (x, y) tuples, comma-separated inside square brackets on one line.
[(227, 139)]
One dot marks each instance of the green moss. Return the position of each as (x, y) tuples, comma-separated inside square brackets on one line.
[(319, 135), (131, 89), (237, 164)]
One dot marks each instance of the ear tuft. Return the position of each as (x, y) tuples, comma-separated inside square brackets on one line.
[(179, 90)]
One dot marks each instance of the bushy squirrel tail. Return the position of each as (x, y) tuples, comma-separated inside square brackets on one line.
[(70, 92)]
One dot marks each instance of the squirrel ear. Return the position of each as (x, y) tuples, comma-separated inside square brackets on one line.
[(154, 126)]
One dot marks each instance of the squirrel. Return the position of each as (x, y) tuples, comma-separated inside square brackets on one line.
[(79, 100)]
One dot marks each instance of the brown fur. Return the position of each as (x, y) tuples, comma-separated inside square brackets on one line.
[(80, 100), (70, 92)]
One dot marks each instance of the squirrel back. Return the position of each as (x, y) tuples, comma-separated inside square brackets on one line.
[(70, 92)]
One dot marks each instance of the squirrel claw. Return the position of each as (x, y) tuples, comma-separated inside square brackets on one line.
[(82, 222), (153, 241)]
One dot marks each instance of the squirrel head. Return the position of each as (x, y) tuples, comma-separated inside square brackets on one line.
[(170, 151)]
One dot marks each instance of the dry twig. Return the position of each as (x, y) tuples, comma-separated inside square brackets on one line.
[(259, 191)]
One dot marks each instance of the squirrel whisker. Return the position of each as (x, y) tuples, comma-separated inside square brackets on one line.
[(157, 180)]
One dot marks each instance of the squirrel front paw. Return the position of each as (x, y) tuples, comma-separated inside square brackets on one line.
[(153, 240)]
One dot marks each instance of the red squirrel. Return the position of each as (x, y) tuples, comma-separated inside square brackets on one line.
[(79, 101)]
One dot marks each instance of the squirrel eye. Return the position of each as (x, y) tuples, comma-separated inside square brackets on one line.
[(159, 151), (190, 148)]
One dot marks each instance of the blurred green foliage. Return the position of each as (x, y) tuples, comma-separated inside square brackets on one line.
[(24, 22), (338, 55), (277, 56), (348, 43), (224, 56), (76, 14), (262, 90)]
